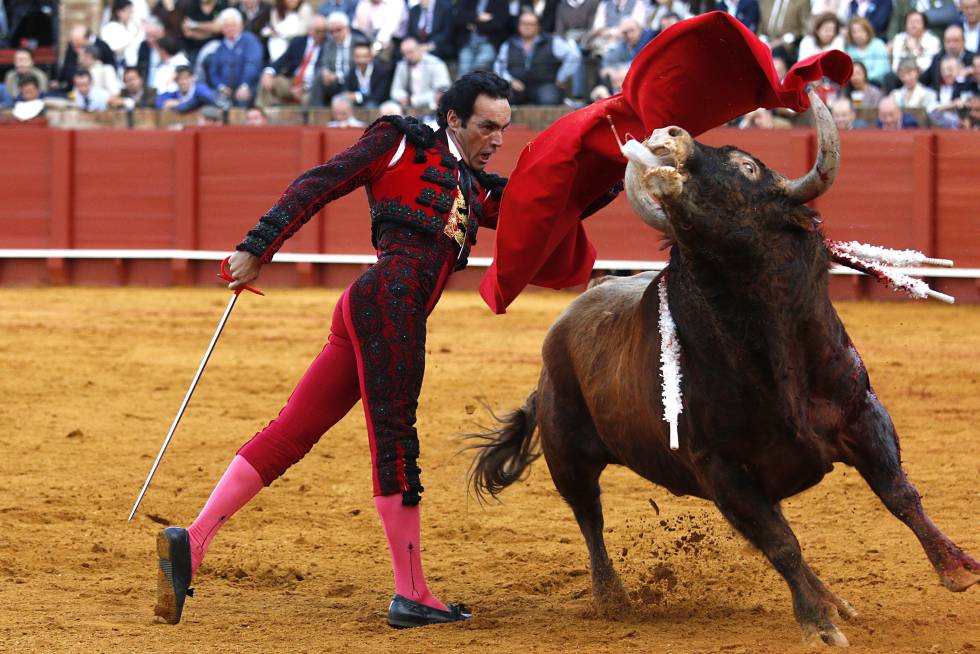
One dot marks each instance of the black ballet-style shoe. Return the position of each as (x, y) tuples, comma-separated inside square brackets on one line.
[(404, 613), (174, 573)]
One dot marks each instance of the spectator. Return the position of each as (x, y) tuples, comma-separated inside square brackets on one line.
[(622, 54), (255, 117), (29, 102), (608, 16), (891, 118), (289, 19), (535, 64), (862, 93), (135, 94), (256, 15), (953, 45), (876, 12), (335, 62), (575, 18), (661, 8), (744, 11), (103, 76), (23, 65), (952, 94), (912, 95), (864, 47), (167, 13), (147, 57), (916, 42), (171, 58), (759, 119), (971, 24), (200, 25), (970, 84), (346, 7), (368, 82), (235, 66), (844, 115), (6, 100), (972, 118), (290, 79), (380, 20), (390, 108), (431, 23), (123, 34), (666, 21), (824, 36), (78, 39), (189, 95), (782, 23), (342, 112), (484, 26), (86, 95), (418, 77), (610, 84), (210, 116)]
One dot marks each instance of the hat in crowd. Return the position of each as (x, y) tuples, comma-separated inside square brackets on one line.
[(211, 112)]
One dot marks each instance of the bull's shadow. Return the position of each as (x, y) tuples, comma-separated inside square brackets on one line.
[(774, 390)]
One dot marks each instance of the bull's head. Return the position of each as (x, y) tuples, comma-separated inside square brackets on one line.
[(724, 198)]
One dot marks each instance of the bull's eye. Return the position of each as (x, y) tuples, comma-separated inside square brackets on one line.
[(749, 168)]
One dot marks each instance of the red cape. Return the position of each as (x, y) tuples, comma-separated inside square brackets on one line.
[(698, 74)]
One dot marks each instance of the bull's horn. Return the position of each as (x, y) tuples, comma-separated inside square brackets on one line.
[(824, 170)]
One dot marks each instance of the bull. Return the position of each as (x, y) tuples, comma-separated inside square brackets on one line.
[(774, 390)]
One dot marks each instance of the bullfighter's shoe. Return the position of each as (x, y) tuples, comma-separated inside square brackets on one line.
[(174, 573), (403, 613)]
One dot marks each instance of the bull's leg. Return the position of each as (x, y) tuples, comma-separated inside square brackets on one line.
[(748, 510), (576, 458), (872, 446), (842, 607)]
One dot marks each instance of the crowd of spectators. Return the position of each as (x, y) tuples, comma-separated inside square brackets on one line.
[(914, 58)]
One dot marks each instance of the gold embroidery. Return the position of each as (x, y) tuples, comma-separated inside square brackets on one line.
[(458, 219)]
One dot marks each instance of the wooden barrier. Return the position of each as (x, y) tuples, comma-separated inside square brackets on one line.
[(203, 188)]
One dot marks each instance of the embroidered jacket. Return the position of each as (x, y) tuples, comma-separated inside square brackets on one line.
[(419, 190)]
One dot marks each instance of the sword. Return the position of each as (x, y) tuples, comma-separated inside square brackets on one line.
[(197, 376)]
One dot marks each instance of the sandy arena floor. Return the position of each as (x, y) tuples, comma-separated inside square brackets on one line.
[(91, 379)]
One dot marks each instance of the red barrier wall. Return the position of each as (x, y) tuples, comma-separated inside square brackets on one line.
[(204, 188)]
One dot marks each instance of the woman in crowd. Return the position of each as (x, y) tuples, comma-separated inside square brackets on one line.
[(916, 42), (824, 36), (864, 47), (862, 93), (911, 94), (122, 33), (289, 18)]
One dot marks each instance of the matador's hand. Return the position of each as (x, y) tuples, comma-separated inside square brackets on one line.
[(244, 267)]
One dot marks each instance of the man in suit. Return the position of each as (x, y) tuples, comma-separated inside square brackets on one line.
[(368, 80), (335, 60), (135, 93), (971, 23), (419, 77), (290, 79), (954, 45), (430, 22), (782, 23), (877, 12), (80, 37)]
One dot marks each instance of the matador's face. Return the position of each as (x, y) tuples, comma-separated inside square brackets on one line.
[(483, 133)]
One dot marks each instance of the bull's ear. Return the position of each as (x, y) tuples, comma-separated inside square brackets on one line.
[(806, 220)]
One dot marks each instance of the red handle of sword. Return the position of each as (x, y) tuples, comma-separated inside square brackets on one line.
[(225, 275)]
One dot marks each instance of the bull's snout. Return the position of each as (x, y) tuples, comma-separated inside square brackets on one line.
[(672, 145)]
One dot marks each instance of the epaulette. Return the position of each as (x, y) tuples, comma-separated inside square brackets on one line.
[(417, 133)]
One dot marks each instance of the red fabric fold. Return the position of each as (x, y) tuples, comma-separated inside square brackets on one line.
[(698, 74)]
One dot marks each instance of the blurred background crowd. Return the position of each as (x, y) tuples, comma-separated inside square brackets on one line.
[(916, 61)]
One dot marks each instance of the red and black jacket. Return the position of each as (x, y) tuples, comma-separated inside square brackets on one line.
[(418, 191)]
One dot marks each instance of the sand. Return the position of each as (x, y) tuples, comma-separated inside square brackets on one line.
[(91, 379)]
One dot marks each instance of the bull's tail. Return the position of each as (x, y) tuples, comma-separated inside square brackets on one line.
[(505, 451)]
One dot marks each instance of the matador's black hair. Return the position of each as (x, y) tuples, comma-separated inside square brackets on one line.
[(462, 95)]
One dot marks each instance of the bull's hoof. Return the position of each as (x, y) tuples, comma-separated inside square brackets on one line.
[(815, 636), (959, 579), (844, 609), (611, 601)]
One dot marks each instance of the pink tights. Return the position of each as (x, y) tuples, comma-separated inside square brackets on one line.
[(325, 394)]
